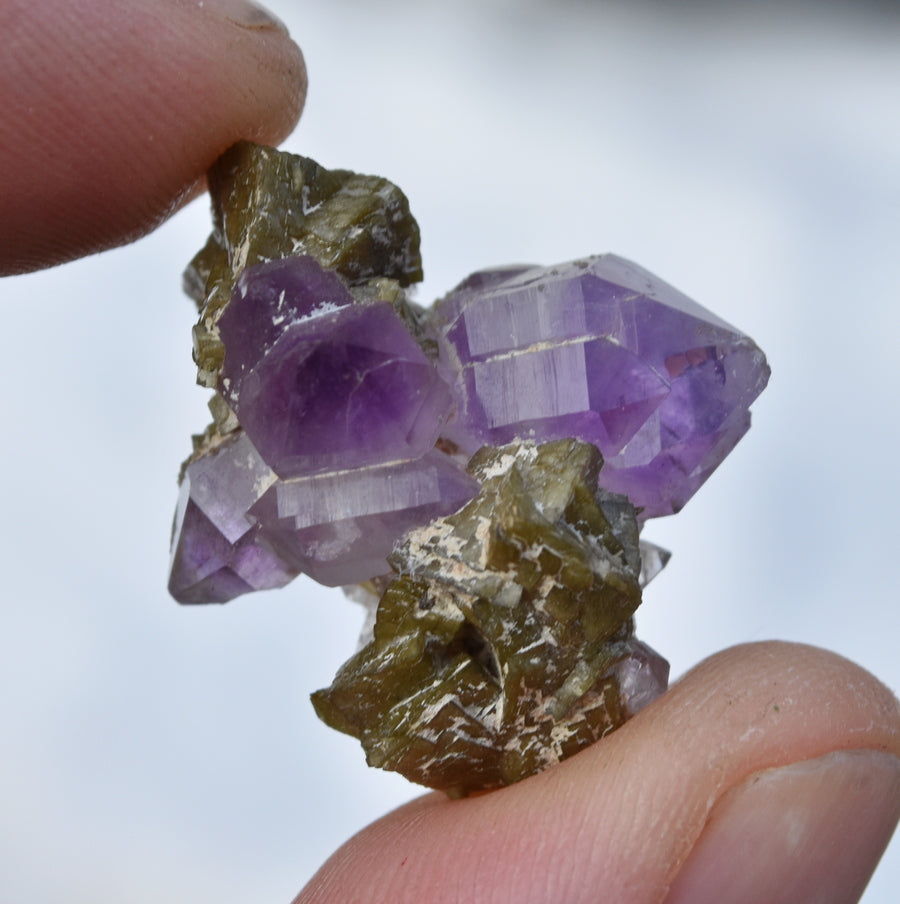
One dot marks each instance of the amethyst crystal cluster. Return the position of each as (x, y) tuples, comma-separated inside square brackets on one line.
[(347, 422), (346, 416)]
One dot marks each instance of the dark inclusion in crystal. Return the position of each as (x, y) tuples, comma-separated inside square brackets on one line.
[(504, 642)]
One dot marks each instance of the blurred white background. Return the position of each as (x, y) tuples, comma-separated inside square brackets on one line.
[(747, 153)]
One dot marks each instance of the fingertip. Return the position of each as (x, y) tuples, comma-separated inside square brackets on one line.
[(809, 831), (115, 112)]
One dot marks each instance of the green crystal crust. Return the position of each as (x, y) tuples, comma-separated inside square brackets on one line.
[(269, 204), (494, 647)]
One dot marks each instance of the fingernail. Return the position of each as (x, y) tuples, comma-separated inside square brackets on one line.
[(811, 831), (245, 13)]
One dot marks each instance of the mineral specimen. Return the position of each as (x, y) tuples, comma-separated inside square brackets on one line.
[(482, 469), (503, 645)]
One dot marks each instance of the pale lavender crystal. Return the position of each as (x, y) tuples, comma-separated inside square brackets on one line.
[(217, 551), (642, 677), (339, 527), (601, 350), (340, 386)]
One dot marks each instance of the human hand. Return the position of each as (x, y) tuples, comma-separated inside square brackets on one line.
[(111, 132), (768, 775)]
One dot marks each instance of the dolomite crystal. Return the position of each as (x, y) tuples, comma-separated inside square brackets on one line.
[(505, 643)]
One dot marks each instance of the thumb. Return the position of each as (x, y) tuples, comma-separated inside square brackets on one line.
[(811, 831), (756, 760)]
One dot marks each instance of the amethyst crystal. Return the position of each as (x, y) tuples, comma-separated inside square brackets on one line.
[(339, 400), (321, 384), (238, 527), (601, 350), (217, 550), (266, 300), (340, 527), (340, 409), (642, 676)]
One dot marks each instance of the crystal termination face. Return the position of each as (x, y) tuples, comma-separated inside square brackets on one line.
[(602, 350)]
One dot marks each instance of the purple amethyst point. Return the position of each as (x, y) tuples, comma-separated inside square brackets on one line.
[(321, 384), (217, 550), (601, 350)]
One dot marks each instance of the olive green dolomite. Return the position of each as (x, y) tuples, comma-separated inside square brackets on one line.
[(495, 648), (269, 204)]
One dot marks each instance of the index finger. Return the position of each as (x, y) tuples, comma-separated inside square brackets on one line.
[(112, 113)]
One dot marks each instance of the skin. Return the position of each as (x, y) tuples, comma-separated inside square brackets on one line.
[(770, 772), (143, 96)]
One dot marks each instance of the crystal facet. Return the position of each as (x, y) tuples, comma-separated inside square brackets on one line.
[(268, 299), (340, 527), (601, 350), (217, 550), (335, 385)]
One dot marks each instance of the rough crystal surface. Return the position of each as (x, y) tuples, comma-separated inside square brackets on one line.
[(268, 204), (505, 643), (601, 350)]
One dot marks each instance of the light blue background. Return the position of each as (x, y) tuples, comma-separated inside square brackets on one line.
[(749, 156)]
